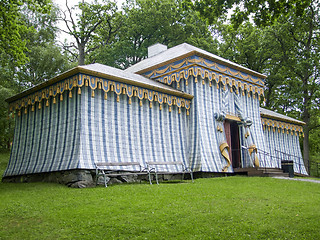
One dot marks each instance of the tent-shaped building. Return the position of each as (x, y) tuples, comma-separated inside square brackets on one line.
[(179, 104)]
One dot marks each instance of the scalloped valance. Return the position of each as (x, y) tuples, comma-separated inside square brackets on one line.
[(95, 83), (210, 71), (285, 127)]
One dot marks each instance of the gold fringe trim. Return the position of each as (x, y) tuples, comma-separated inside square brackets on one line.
[(69, 84)]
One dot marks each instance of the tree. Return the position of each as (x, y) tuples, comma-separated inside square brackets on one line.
[(6, 122), (262, 12), (84, 25), (11, 43), (146, 22), (255, 48), (45, 58), (299, 42)]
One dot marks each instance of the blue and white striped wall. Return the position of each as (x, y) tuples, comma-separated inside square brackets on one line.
[(121, 132), (285, 146), (79, 131), (47, 139)]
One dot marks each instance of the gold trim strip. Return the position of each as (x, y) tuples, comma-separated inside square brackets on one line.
[(234, 118)]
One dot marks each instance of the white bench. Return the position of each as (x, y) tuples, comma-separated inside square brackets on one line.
[(156, 168), (106, 169)]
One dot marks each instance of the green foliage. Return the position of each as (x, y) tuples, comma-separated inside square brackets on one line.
[(6, 122), (260, 11), (247, 45), (219, 208), (146, 22), (11, 43), (46, 61), (314, 137)]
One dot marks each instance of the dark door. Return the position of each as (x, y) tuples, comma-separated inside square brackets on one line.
[(227, 129), (232, 136)]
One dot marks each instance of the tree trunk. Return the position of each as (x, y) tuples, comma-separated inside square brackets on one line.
[(306, 155), (306, 129), (81, 57)]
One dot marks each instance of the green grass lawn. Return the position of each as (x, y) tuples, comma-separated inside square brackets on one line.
[(218, 208)]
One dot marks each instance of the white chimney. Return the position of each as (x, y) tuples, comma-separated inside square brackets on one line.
[(155, 49)]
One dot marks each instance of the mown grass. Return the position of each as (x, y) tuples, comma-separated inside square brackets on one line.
[(218, 208)]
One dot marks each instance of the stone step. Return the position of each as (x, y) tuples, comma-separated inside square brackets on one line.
[(270, 169), (261, 172), (277, 174)]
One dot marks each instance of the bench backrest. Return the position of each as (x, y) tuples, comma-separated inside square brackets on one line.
[(106, 164), (165, 163)]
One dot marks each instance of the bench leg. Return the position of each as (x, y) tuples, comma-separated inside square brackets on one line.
[(150, 178), (191, 175), (105, 180), (157, 178)]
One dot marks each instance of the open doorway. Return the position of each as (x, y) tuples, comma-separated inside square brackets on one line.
[(232, 136)]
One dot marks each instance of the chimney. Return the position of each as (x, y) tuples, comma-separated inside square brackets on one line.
[(155, 49)]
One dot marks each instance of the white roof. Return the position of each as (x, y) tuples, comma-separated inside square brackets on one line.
[(108, 72), (268, 113), (179, 51), (118, 73)]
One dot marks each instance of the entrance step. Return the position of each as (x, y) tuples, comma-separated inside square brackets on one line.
[(261, 172)]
